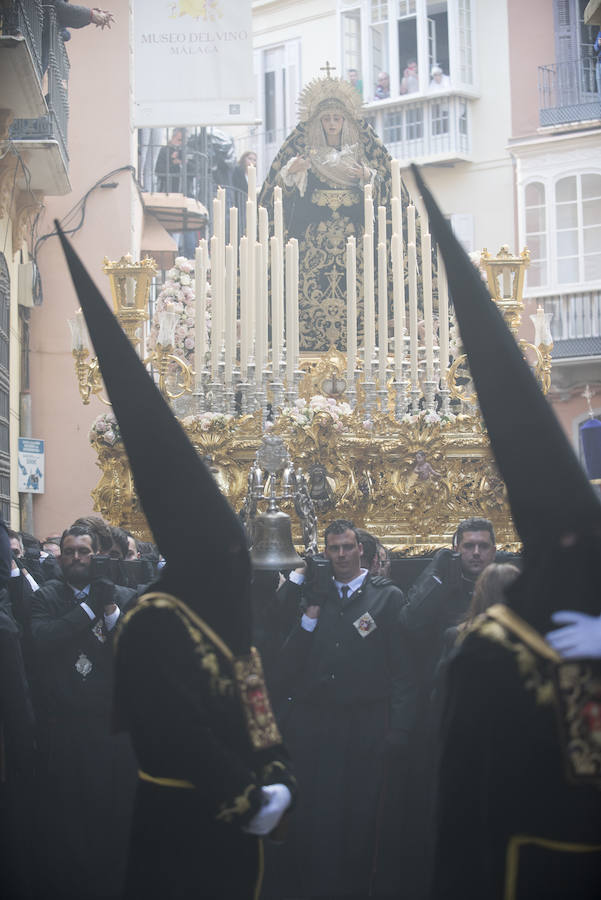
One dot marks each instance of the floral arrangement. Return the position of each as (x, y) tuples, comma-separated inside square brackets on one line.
[(205, 420), (177, 295), (303, 412), (105, 430)]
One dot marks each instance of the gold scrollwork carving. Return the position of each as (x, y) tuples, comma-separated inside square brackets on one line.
[(375, 475)]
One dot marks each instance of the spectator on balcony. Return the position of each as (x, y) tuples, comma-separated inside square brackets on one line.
[(382, 90), (353, 77), (410, 79), (438, 81), (70, 15), (169, 164), (597, 52)]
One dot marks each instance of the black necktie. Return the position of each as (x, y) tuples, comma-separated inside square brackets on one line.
[(344, 592)]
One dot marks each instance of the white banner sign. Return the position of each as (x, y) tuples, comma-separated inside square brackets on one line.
[(192, 63), (31, 466)]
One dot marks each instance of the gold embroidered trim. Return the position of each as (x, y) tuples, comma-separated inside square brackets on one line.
[(248, 671), (260, 720), (260, 869), (521, 840), (579, 698), (241, 805), (510, 620), (335, 199), (166, 782), (527, 661)]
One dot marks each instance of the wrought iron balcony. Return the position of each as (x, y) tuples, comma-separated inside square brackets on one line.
[(568, 92), (48, 133), (21, 66)]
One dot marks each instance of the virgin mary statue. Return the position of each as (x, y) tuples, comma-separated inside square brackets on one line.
[(322, 168)]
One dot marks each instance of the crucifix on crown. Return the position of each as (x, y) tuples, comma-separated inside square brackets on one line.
[(327, 69)]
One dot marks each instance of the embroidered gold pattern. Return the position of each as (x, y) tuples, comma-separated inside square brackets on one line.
[(335, 199), (529, 664), (248, 671), (260, 720), (240, 805), (579, 696)]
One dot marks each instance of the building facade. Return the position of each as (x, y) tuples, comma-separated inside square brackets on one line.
[(556, 147), (494, 99)]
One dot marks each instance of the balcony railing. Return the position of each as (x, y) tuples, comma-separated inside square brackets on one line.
[(52, 127), (576, 323), (24, 18), (568, 92)]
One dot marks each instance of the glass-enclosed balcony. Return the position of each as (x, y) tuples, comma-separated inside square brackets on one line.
[(433, 128)]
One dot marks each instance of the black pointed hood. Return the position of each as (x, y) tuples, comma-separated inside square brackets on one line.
[(549, 493), (196, 530)]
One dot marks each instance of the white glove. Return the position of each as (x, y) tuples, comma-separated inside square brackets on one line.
[(580, 636), (276, 800)]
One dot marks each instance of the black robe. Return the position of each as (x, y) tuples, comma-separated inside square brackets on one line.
[(347, 721), (200, 778), (511, 825), (87, 774)]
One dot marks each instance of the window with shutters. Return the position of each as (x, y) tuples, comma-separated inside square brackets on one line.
[(567, 87)]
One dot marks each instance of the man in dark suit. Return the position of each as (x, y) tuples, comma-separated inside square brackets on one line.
[(88, 775)]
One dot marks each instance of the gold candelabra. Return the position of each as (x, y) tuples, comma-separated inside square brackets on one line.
[(505, 278), (130, 288)]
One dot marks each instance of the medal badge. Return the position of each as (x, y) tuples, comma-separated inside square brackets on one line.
[(365, 624), (98, 632), (83, 665)]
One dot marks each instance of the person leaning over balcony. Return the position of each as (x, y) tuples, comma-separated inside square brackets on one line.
[(70, 15)]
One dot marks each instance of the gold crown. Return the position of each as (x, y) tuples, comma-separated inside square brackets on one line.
[(326, 93)]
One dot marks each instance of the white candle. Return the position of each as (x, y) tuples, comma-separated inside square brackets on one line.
[(411, 224), (215, 302), (276, 306), (395, 171), (278, 214), (413, 336), (263, 226), (230, 314), (368, 210), (295, 300), (251, 176), (368, 306), (200, 291), (396, 216), (351, 309), (244, 286), (428, 316), (398, 300), (382, 313), (234, 230), (261, 314), (382, 225), (289, 329), (443, 315)]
